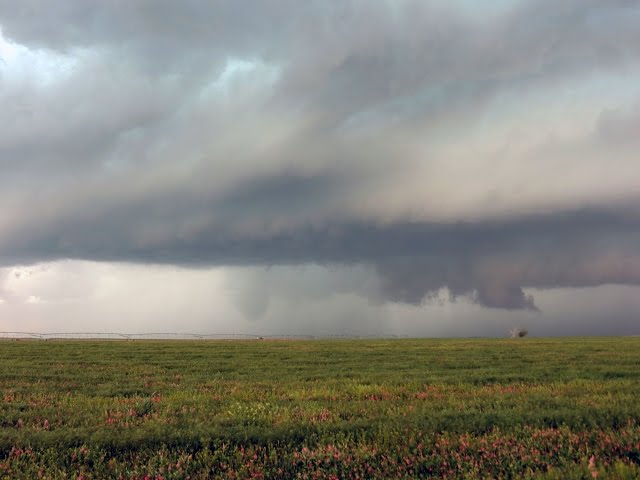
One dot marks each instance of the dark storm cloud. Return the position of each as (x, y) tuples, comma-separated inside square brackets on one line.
[(490, 261), (287, 132)]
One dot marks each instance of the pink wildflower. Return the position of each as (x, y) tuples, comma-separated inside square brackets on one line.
[(592, 467)]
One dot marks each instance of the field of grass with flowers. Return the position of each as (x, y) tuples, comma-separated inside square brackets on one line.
[(477, 408)]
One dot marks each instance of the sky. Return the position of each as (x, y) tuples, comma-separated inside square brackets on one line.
[(348, 167)]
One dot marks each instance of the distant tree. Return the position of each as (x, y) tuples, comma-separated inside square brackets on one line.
[(517, 332)]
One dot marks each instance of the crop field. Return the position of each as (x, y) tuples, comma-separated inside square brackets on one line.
[(495, 408)]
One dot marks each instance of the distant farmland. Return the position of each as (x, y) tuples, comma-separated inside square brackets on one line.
[(532, 408)]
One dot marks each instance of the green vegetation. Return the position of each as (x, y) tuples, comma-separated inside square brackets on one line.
[(532, 408)]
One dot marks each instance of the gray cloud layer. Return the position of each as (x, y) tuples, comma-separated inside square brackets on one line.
[(410, 136)]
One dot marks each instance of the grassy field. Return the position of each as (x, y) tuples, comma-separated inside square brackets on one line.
[(532, 408)]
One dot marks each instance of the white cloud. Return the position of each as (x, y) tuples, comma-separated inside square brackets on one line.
[(21, 66), (33, 300)]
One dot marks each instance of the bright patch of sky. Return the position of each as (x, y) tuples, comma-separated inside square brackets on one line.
[(239, 70), (89, 296), (92, 297), (20, 64), (8, 50)]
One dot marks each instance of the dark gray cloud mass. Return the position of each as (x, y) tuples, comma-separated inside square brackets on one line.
[(444, 146)]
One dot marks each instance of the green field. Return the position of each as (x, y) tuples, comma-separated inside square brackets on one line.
[(532, 408)]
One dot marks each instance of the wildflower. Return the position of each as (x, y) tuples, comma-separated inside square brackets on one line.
[(592, 467)]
